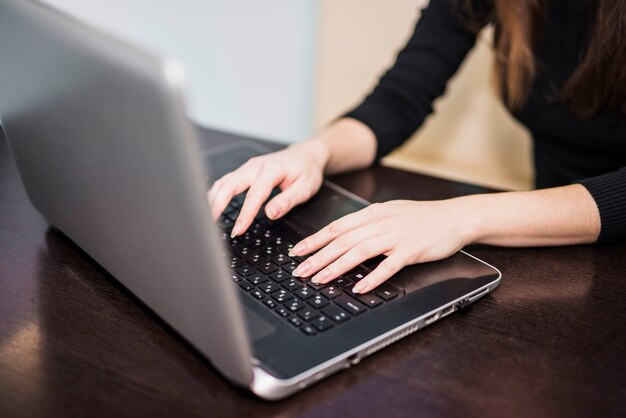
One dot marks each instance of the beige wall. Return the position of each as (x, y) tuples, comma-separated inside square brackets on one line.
[(471, 137)]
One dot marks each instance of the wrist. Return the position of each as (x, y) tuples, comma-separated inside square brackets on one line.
[(470, 217), (350, 145), (319, 151)]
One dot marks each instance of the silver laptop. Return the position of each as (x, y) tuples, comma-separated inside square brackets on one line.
[(109, 158)]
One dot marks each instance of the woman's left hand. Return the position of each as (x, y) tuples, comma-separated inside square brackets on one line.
[(405, 231)]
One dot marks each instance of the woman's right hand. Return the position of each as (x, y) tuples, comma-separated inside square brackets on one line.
[(297, 170)]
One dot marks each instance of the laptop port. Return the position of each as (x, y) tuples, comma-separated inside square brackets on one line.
[(431, 319), (447, 311), (352, 360)]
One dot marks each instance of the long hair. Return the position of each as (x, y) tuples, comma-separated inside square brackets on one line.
[(597, 85)]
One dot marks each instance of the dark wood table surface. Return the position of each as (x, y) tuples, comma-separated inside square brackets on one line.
[(550, 342)]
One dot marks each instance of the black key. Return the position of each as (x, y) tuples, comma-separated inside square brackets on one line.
[(318, 301), (225, 222), (285, 247), (290, 267), (288, 233), (257, 260), (236, 262), (280, 259), (280, 276), (267, 267), (387, 291), (237, 200), (244, 252), (331, 292), (257, 229), (236, 278), (246, 270), (262, 219), (256, 279), (357, 274), (316, 286), (322, 323), (372, 263), (266, 233), (294, 320), (292, 284), (257, 294), (231, 213), (246, 286), (336, 313), (369, 299), (304, 292), (342, 282), (269, 287), (308, 329), (351, 305), (236, 245), (282, 312), (247, 237), (270, 303), (268, 251), (295, 304), (308, 313), (281, 296), (277, 240)]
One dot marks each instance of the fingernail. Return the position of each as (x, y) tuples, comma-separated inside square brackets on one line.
[(358, 288), (297, 249), (271, 212), (322, 275), (235, 230), (301, 269)]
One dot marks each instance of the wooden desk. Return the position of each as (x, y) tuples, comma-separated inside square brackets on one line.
[(551, 341)]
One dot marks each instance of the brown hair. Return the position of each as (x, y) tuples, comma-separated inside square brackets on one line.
[(597, 85)]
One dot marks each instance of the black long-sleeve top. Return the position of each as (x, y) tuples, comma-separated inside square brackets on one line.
[(566, 148)]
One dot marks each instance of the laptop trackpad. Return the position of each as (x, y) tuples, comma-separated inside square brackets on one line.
[(257, 326)]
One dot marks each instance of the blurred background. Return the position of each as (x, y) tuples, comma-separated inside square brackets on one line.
[(282, 70)]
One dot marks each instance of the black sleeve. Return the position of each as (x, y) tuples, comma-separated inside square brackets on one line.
[(609, 192), (404, 95)]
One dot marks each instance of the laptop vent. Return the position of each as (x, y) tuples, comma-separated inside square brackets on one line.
[(391, 339)]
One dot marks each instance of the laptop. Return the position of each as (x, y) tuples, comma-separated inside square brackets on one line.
[(109, 158)]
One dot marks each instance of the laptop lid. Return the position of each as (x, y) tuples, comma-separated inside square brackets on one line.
[(107, 155)]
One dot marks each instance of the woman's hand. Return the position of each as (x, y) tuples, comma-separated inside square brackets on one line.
[(409, 232), (405, 231), (297, 171)]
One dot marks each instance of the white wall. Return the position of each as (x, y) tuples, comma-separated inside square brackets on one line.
[(249, 63)]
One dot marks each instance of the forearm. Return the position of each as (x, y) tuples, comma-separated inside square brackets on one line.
[(344, 146), (559, 216)]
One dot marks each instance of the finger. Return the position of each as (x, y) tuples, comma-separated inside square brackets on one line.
[(387, 268), (258, 193), (213, 189), (231, 185), (330, 232), (297, 192), (223, 193), (233, 176), (355, 256), (335, 249)]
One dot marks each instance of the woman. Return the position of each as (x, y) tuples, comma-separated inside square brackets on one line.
[(561, 70)]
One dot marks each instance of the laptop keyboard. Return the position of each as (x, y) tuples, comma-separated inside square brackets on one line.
[(262, 268)]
